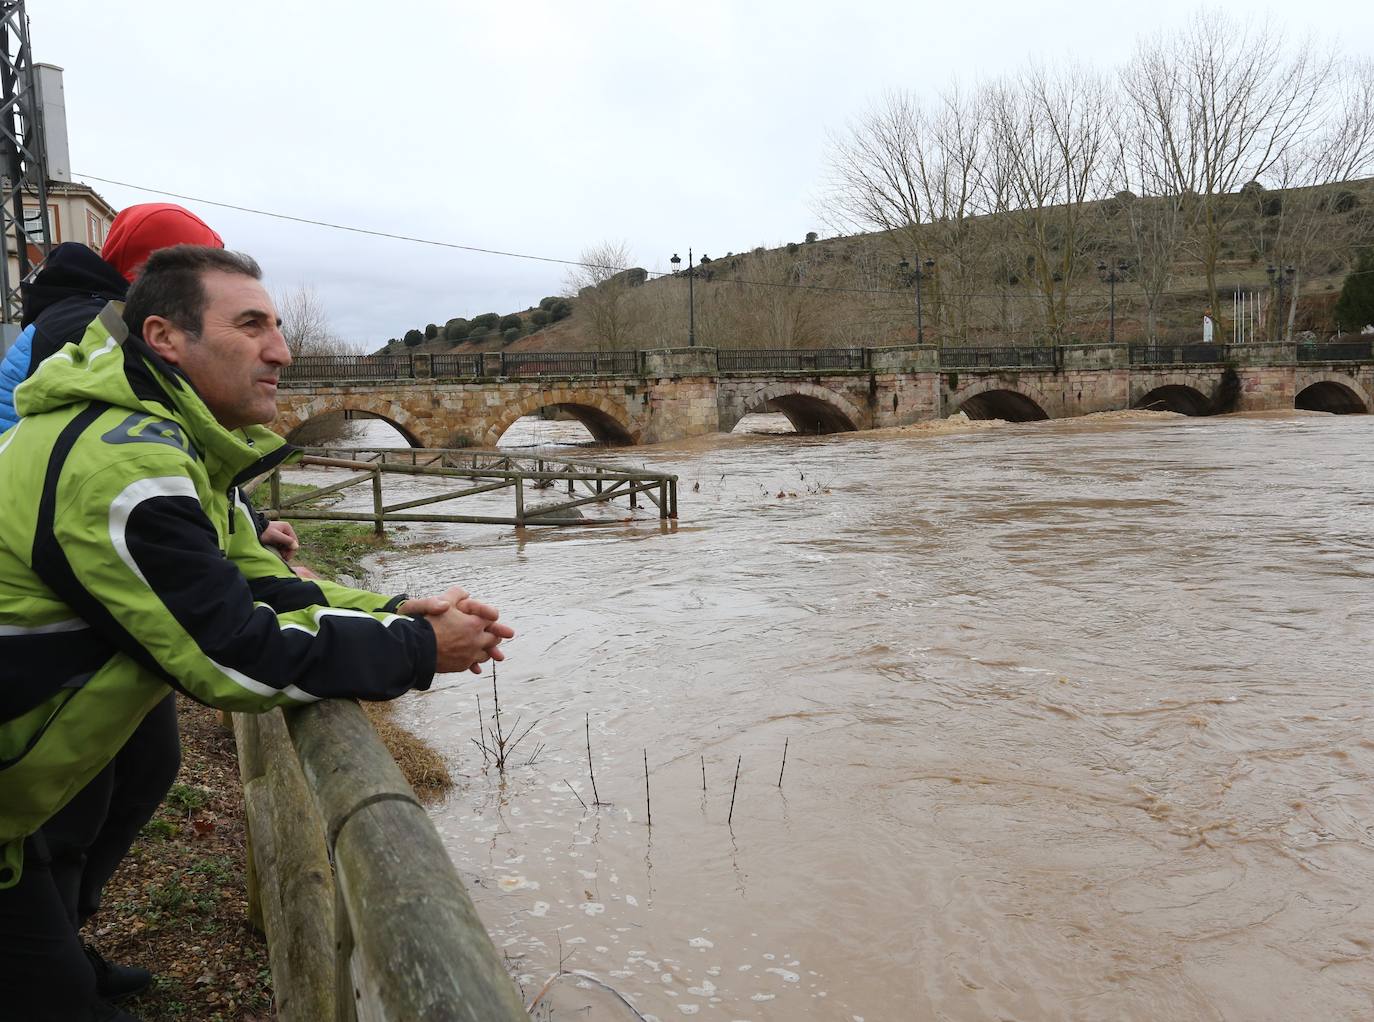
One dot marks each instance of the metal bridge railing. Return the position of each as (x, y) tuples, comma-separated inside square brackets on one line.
[(568, 363), (985, 358), (1179, 354), (789, 359), (455, 365), (1335, 351), (348, 367)]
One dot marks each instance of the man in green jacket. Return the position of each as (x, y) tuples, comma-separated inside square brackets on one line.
[(128, 565)]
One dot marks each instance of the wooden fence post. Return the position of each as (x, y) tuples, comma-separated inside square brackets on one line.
[(377, 526), (292, 886)]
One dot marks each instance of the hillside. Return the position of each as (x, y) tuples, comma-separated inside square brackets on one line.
[(987, 285)]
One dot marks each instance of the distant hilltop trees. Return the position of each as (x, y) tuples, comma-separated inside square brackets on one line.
[(489, 326)]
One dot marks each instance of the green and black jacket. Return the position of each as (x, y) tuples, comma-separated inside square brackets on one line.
[(128, 564)]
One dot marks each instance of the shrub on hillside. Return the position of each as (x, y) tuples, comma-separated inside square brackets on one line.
[(431, 331), (1345, 202), (413, 337), (560, 309), (510, 334), (548, 303), (541, 317), (511, 322), (1272, 205), (810, 237), (484, 323), (456, 329)]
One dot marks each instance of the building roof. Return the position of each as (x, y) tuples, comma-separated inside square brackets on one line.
[(70, 188)]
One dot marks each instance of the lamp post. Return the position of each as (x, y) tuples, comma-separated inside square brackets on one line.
[(1276, 278), (916, 276), (1111, 275), (676, 260)]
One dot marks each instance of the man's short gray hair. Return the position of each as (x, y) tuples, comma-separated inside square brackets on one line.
[(170, 284)]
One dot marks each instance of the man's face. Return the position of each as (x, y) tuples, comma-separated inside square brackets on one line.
[(235, 362)]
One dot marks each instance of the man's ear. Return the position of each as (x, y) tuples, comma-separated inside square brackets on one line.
[(165, 338)]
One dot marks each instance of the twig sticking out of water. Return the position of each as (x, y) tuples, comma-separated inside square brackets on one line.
[(729, 819), (648, 809), (703, 773), (575, 794), (501, 741), (784, 760), (596, 799), (481, 740)]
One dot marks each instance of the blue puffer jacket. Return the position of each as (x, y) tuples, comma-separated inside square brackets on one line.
[(13, 371), (68, 292)]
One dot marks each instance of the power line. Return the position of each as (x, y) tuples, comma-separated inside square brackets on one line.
[(345, 227), (700, 270)]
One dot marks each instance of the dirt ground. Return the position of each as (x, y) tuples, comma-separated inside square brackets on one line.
[(178, 904)]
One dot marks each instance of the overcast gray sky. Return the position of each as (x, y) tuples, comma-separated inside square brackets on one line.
[(534, 127)]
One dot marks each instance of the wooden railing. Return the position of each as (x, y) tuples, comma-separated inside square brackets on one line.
[(387, 932), (484, 472)]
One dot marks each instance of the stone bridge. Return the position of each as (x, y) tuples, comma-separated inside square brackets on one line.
[(664, 395)]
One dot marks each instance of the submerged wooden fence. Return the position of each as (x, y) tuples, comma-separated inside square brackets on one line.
[(365, 916), (486, 471)]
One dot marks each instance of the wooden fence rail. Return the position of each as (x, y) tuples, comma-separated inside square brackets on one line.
[(387, 934), (487, 472)]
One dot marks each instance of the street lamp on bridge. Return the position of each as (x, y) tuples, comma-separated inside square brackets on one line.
[(676, 260), (1112, 275), (916, 274)]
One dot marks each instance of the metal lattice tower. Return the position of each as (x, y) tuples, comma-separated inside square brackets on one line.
[(23, 163)]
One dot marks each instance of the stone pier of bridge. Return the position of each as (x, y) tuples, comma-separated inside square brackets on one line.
[(674, 394)]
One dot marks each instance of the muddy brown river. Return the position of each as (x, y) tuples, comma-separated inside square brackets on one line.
[(1077, 718)]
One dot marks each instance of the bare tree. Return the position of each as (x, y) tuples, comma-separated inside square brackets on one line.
[(1049, 158), (1153, 214), (1310, 231), (1220, 103), (602, 284), (305, 323), (912, 172)]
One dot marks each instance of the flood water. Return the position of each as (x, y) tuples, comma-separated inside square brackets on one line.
[(1077, 718)]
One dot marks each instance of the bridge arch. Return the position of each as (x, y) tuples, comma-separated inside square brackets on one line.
[(1174, 397), (810, 407), (290, 421), (993, 399), (603, 419), (1331, 392)]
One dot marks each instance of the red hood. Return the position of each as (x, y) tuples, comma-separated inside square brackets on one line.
[(141, 230)]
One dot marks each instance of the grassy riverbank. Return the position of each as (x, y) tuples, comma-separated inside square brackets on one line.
[(178, 903)]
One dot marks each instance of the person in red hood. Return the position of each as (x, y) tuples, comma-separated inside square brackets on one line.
[(139, 231)]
